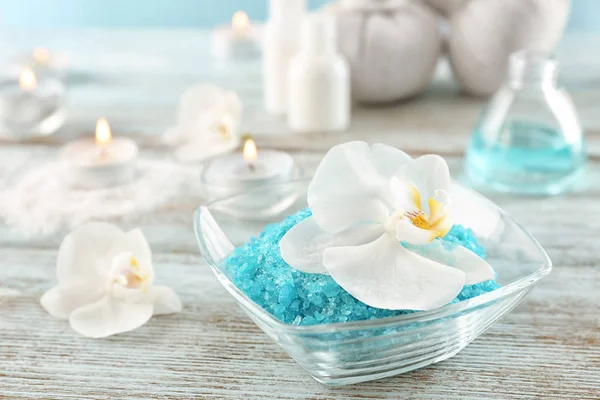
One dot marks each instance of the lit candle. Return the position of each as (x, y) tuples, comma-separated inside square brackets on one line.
[(42, 61), (240, 23), (27, 80), (100, 162), (250, 153), (238, 41), (42, 56), (30, 107), (251, 168)]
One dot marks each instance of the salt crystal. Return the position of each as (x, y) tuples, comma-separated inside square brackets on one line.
[(298, 298)]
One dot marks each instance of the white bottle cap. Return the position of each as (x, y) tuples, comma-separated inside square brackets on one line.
[(319, 33), (286, 9)]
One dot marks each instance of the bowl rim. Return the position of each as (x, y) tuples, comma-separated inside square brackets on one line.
[(420, 316)]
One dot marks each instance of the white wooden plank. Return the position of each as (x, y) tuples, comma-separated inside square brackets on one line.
[(549, 347), (212, 350)]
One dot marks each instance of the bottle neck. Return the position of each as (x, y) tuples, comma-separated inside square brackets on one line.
[(532, 69), (283, 11), (319, 35)]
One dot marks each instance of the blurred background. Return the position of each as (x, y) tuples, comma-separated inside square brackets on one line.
[(585, 14), (131, 60)]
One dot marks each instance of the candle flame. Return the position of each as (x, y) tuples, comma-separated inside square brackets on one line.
[(27, 80), (41, 55), (250, 154), (240, 21), (103, 135)]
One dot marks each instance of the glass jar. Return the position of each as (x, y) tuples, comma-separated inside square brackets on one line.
[(528, 139), (30, 106)]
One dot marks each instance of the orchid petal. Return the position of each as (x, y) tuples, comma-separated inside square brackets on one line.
[(351, 186), (473, 211), (198, 98), (198, 129), (62, 300), (133, 242), (405, 196), (303, 245), (475, 268), (165, 300), (80, 251), (388, 160), (384, 274), (409, 233), (429, 173), (231, 104), (109, 316), (439, 214)]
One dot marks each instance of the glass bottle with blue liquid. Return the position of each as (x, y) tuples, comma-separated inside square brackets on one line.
[(528, 139)]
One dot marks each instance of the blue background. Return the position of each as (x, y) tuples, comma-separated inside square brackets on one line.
[(585, 14)]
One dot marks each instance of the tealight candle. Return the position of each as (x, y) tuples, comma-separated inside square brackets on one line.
[(241, 172), (42, 60), (238, 41), (249, 169), (30, 107), (102, 162)]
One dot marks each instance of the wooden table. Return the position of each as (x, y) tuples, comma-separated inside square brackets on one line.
[(549, 347)]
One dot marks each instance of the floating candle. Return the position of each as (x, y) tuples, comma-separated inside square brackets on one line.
[(239, 172), (42, 61), (30, 107), (238, 41), (105, 161), (249, 169)]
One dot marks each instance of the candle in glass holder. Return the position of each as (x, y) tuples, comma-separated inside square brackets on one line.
[(30, 107), (42, 60), (238, 41), (249, 169), (263, 174), (89, 163)]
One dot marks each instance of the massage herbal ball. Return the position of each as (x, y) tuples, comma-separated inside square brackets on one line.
[(392, 47)]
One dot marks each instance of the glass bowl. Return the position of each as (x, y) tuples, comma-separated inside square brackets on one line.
[(351, 352), (30, 113)]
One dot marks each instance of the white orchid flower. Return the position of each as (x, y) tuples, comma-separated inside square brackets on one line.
[(366, 201), (105, 279), (208, 123)]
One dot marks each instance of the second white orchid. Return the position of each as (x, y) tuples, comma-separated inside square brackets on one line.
[(105, 282), (368, 200), (208, 123)]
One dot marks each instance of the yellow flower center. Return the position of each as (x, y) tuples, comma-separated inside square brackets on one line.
[(223, 131), (226, 126), (126, 272), (436, 221), (418, 219)]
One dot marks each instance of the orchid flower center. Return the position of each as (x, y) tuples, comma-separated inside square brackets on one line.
[(225, 126), (436, 221), (127, 272), (418, 218)]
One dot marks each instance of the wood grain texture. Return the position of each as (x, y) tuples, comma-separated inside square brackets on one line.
[(549, 347)]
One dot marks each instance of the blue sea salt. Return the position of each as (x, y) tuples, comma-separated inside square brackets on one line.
[(298, 298)]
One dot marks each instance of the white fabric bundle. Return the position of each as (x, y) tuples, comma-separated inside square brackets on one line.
[(446, 7), (392, 47), (485, 32)]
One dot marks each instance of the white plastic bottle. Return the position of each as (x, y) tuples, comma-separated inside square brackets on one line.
[(318, 80), (280, 44)]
